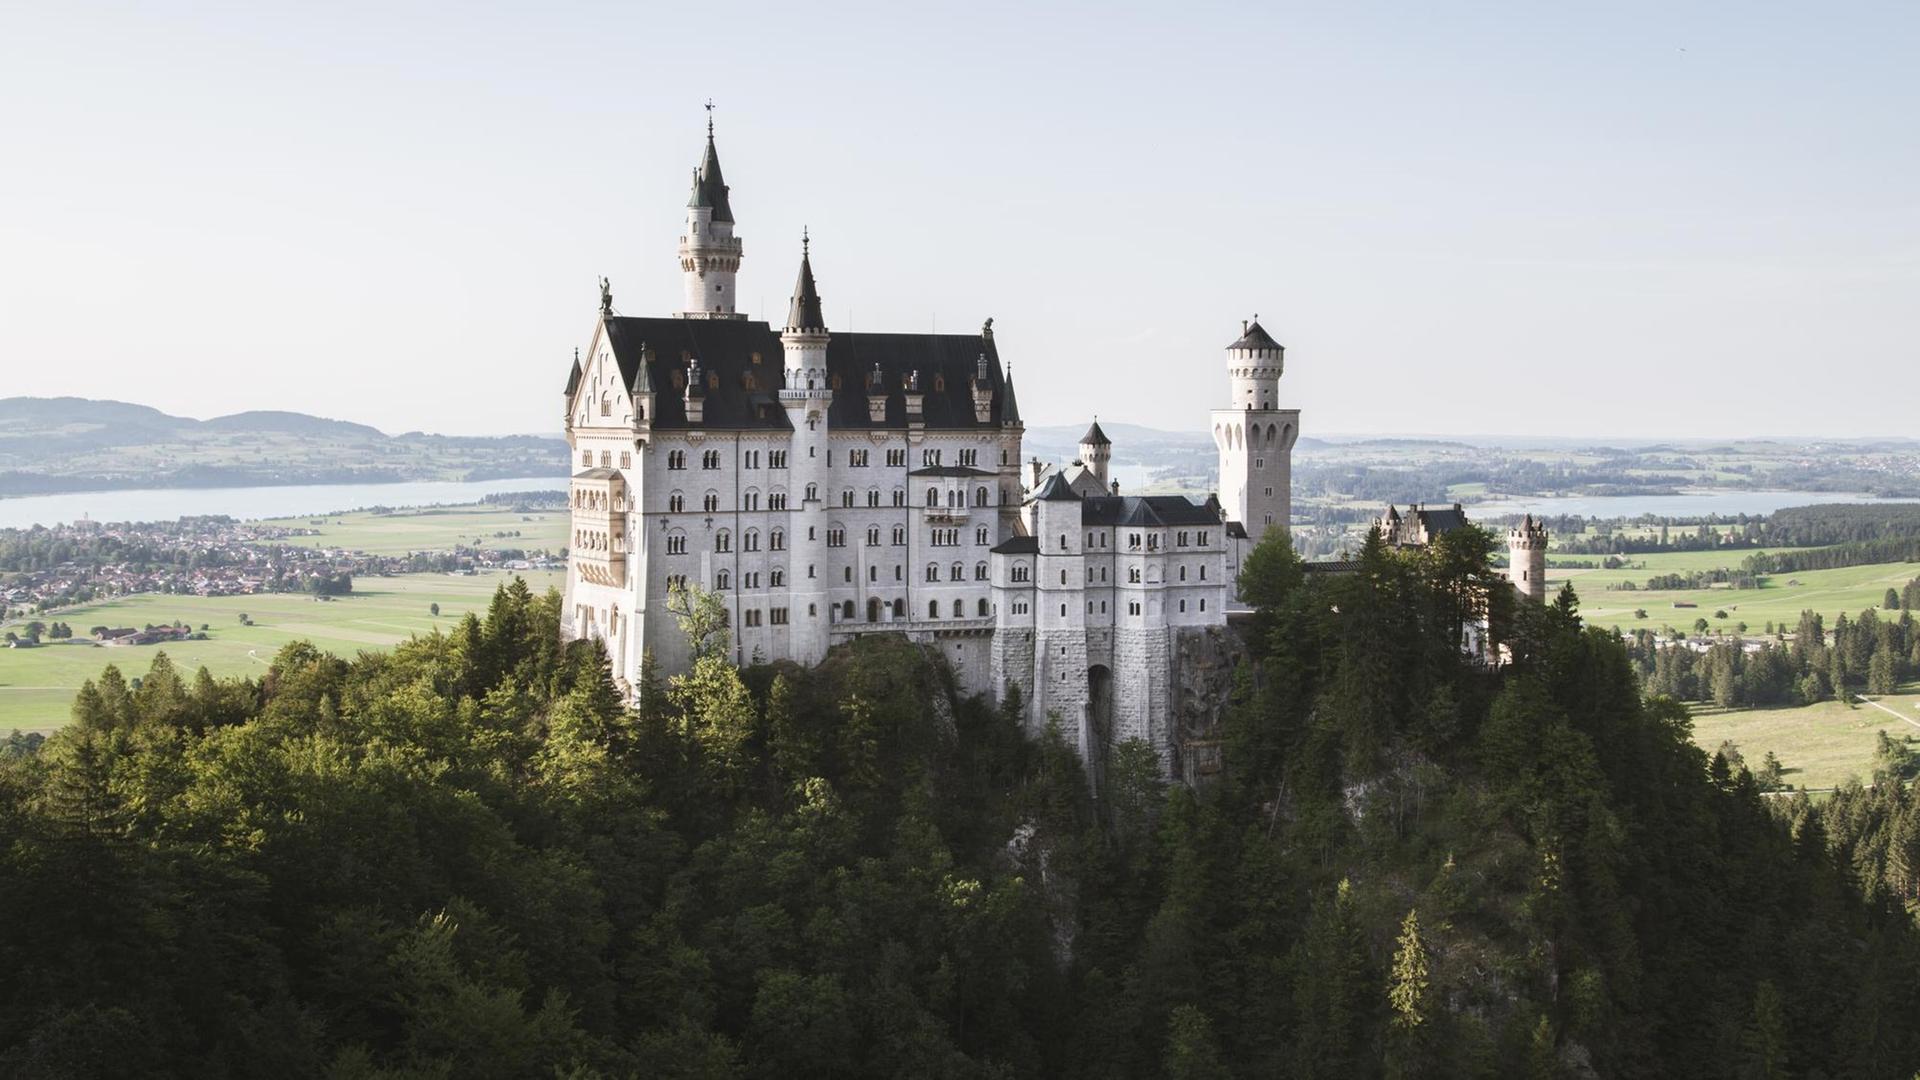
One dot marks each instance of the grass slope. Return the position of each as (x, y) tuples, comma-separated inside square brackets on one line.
[(37, 685), (1847, 589), (1821, 745)]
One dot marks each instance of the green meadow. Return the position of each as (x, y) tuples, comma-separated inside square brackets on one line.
[(432, 529), (1822, 745), (37, 685), (1779, 599)]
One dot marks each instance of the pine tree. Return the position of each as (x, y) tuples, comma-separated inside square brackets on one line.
[(1409, 997), (1407, 991), (1192, 1051), (1763, 1043)]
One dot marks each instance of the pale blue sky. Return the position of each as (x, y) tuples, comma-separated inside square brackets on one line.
[(1629, 219)]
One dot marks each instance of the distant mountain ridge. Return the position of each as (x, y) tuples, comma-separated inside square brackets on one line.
[(35, 417), (60, 444)]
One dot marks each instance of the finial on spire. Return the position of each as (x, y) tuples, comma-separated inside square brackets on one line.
[(804, 241), (709, 119)]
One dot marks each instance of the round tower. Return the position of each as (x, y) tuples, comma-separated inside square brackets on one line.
[(709, 252), (1254, 365), (1527, 559), (1096, 453), (806, 394), (1255, 436)]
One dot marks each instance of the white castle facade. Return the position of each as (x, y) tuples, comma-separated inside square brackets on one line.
[(830, 484)]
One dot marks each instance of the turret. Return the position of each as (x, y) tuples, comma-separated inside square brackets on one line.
[(1527, 559), (709, 252), (1255, 436), (1255, 363), (1096, 452), (807, 396)]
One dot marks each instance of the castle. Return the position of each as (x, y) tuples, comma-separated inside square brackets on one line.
[(831, 484)]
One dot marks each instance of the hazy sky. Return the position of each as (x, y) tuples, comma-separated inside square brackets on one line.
[(1618, 219)]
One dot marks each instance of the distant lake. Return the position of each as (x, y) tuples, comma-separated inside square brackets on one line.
[(166, 504), (1685, 504)]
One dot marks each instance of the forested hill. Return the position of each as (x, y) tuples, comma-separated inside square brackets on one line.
[(465, 858), (77, 444)]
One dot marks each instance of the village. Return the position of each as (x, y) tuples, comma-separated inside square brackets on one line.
[(45, 570)]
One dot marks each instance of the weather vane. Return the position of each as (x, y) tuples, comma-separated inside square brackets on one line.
[(709, 118)]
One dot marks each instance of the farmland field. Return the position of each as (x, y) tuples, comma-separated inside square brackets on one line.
[(1821, 745), (1780, 598), (432, 529), (37, 685)]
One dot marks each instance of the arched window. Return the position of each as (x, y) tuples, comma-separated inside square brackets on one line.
[(933, 496), (1063, 542), (933, 609), (984, 611), (959, 609), (676, 503), (777, 540), (723, 541), (711, 501), (979, 571), (873, 536), (722, 581), (979, 496), (813, 492), (751, 541), (933, 571), (846, 611), (957, 573)]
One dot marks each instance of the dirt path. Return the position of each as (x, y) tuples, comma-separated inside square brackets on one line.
[(1889, 712)]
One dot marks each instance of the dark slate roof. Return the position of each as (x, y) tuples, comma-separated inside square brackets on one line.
[(1236, 531), (725, 350), (1017, 545), (804, 312), (1095, 437), (1255, 338), (1148, 511), (1337, 566), (951, 470), (1011, 406), (1442, 521), (709, 188), (573, 378), (1054, 489)]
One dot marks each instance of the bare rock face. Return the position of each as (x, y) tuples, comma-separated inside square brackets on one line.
[(1204, 660)]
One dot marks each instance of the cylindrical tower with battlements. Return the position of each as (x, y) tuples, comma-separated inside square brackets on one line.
[(1527, 559)]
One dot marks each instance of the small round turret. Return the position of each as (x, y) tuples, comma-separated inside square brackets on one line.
[(1527, 559)]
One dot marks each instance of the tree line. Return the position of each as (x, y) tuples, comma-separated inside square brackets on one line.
[(1873, 653)]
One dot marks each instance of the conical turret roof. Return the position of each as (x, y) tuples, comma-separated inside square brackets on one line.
[(804, 312), (1254, 337), (709, 187), (1095, 437)]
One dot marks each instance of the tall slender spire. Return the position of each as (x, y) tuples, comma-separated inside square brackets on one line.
[(804, 313), (709, 187)]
